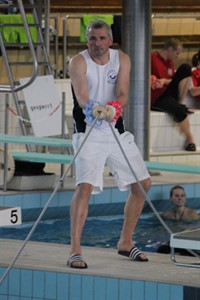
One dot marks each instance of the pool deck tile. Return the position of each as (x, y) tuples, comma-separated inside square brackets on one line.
[(101, 262)]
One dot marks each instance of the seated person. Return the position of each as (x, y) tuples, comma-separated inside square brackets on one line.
[(196, 73), (171, 87), (179, 211), (192, 98)]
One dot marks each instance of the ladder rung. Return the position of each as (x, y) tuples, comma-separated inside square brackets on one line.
[(22, 44), (18, 25), (23, 63)]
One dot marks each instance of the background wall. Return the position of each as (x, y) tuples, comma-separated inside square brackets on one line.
[(116, 5), (185, 26)]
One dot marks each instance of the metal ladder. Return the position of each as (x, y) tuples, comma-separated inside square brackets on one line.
[(39, 62)]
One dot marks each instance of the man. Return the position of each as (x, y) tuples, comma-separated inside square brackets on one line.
[(171, 86), (100, 79), (180, 212)]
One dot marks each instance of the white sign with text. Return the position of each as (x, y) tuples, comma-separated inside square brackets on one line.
[(44, 106)]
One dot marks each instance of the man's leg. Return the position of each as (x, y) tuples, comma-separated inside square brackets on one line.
[(132, 212), (179, 112), (184, 87), (185, 129), (78, 215)]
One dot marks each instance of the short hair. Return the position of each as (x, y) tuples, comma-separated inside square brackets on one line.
[(172, 43), (196, 59), (174, 188), (97, 24)]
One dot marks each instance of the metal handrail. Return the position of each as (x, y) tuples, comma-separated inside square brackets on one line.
[(13, 87)]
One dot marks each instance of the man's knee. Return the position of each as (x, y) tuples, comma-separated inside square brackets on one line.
[(184, 71), (146, 184), (180, 113), (84, 189)]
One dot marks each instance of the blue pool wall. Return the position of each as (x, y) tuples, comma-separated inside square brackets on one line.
[(27, 284), (109, 202)]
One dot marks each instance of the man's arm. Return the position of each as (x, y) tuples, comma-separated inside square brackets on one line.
[(159, 70), (123, 79), (77, 72)]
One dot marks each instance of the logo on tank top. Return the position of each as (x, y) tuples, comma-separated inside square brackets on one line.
[(112, 76)]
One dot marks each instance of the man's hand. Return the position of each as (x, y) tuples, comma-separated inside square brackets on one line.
[(161, 82), (114, 111), (110, 113), (99, 111), (153, 80)]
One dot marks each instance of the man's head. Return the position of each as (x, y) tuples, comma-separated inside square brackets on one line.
[(99, 38), (99, 24), (173, 47), (178, 196)]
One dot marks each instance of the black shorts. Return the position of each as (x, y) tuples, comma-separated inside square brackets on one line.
[(170, 105), (168, 102)]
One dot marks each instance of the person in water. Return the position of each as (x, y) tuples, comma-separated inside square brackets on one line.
[(179, 211)]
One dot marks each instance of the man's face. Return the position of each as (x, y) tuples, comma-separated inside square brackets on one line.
[(174, 54), (178, 197), (98, 41)]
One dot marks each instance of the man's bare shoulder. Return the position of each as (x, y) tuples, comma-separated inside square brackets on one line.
[(76, 59), (77, 64), (125, 60), (123, 55)]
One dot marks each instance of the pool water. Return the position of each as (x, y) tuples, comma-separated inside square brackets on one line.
[(100, 231)]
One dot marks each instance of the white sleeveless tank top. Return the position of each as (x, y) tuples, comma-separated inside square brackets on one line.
[(102, 78)]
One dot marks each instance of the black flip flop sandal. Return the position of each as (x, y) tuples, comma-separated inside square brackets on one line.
[(134, 254), (190, 147)]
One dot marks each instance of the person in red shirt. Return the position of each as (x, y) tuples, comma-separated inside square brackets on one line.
[(171, 86), (196, 73)]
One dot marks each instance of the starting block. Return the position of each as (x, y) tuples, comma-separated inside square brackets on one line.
[(188, 239)]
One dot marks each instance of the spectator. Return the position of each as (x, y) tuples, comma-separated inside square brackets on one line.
[(192, 98), (196, 74), (171, 87), (179, 211)]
